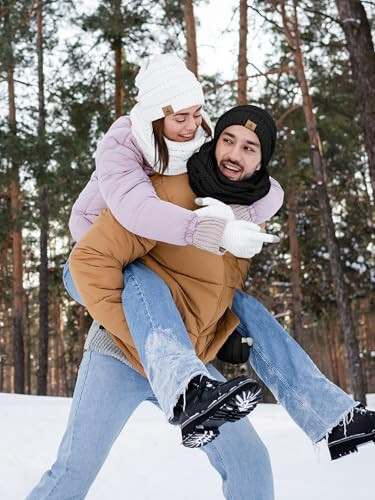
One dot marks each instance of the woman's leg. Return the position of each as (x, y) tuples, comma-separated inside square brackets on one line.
[(166, 353), (106, 394), (69, 283), (314, 403), (159, 334), (199, 406)]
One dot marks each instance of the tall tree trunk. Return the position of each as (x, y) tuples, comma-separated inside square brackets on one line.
[(118, 54), (295, 266), (242, 55), (43, 213), (17, 258), (62, 378), (119, 92), (191, 39), (6, 318), (5, 327), (292, 33), (27, 344), (359, 42)]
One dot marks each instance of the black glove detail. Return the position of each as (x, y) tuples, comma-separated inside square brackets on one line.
[(234, 350)]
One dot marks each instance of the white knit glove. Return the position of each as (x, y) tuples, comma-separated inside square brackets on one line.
[(214, 208), (245, 239)]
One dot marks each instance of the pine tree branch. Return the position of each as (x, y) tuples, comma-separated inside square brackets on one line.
[(322, 14), (277, 85), (286, 21), (286, 113), (267, 19), (274, 71)]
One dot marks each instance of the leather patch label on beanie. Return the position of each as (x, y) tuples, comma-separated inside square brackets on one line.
[(250, 125), (167, 110)]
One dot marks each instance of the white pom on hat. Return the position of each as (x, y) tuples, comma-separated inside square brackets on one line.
[(164, 81)]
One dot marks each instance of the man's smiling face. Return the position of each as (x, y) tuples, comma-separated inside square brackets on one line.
[(238, 153)]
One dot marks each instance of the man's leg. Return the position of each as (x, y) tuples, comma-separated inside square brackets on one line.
[(314, 403), (106, 394), (241, 459)]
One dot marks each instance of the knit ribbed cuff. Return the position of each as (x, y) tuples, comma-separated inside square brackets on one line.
[(190, 230), (242, 212), (208, 234)]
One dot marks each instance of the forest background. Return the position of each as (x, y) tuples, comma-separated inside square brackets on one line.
[(67, 72)]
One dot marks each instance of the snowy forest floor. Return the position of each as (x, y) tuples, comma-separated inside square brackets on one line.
[(147, 462)]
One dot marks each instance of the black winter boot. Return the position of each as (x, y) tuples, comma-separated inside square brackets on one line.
[(208, 404), (355, 430)]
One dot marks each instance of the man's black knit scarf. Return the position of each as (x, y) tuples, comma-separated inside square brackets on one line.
[(206, 179)]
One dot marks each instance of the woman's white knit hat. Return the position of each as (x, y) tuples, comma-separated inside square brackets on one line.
[(165, 86)]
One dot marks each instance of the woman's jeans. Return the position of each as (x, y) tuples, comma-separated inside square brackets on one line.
[(106, 394), (166, 353)]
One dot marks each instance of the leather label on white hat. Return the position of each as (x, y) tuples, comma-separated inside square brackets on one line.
[(250, 125), (167, 110)]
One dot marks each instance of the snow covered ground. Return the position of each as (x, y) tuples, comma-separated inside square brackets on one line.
[(147, 462)]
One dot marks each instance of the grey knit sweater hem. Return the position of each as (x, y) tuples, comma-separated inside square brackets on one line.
[(100, 341)]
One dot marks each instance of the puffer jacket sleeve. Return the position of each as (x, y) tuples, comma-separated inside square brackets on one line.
[(263, 209), (128, 191), (96, 264)]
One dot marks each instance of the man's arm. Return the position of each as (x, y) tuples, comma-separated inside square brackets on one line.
[(97, 264)]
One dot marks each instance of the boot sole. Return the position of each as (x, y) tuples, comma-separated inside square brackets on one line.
[(200, 437), (232, 406), (349, 445)]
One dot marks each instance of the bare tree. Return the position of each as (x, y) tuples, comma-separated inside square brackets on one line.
[(16, 206), (242, 55), (191, 40), (359, 42), (43, 211), (292, 33), (118, 55), (295, 262)]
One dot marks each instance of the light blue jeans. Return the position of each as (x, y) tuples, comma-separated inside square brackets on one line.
[(106, 394), (169, 360)]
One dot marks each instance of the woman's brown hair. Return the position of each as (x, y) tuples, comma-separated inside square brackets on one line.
[(161, 149)]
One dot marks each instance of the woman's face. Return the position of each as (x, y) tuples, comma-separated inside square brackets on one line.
[(181, 126)]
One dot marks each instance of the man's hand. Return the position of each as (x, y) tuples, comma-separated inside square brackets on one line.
[(214, 208), (245, 239)]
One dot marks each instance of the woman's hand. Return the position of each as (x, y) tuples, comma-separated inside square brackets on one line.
[(245, 239), (214, 208)]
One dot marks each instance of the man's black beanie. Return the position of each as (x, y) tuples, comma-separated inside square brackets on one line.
[(256, 119)]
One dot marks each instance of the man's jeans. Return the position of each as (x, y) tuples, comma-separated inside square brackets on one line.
[(106, 394), (166, 353)]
